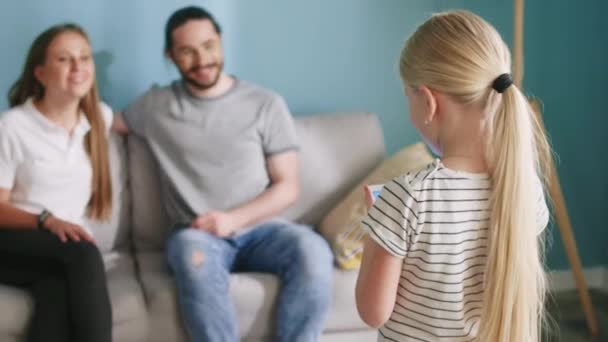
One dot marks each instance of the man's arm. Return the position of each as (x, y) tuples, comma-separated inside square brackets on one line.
[(119, 125), (282, 193)]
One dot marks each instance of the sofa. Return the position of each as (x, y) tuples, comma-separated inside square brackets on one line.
[(337, 151)]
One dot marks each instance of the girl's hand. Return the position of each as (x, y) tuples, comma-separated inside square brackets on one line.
[(369, 198), (66, 230)]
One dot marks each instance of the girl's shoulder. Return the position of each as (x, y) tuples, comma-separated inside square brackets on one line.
[(14, 116), (407, 186), (415, 178), (107, 114), (105, 108), (437, 181), (16, 121)]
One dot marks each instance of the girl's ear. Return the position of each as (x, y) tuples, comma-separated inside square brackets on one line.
[(430, 104), (38, 74)]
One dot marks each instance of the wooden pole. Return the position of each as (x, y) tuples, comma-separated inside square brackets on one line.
[(555, 190), (565, 229)]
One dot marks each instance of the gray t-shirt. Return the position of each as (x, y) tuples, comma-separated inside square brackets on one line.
[(211, 151)]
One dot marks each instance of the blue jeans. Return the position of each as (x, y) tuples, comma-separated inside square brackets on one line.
[(202, 263)]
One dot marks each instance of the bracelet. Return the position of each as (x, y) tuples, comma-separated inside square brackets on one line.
[(42, 217)]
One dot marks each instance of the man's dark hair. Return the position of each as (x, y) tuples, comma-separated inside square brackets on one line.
[(181, 16)]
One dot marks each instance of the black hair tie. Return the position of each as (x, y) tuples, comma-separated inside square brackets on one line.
[(502, 82)]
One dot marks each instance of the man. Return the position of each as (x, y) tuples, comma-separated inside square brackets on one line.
[(228, 157)]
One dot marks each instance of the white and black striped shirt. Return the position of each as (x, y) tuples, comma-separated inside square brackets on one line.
[(437, 221)]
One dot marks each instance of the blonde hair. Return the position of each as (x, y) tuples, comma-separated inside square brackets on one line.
[(96, 143), (460, 54)]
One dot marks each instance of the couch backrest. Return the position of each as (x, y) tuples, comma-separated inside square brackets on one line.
[(336, 152)]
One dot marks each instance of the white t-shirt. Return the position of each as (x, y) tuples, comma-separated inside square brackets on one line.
[(437, 221), (43, 166)]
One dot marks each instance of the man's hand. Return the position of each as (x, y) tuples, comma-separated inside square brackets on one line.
[(218, 223), (66, 230)]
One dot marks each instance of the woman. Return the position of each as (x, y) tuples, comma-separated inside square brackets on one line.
[(54, 171)]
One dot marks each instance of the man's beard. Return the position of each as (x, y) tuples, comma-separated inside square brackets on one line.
[(203, 86)]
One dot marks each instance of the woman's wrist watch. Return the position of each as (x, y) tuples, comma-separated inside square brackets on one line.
[(42, 217)]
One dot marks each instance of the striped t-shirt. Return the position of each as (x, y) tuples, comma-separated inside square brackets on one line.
[(436, 220)]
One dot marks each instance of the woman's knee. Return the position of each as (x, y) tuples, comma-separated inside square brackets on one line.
[(84, 256), (53, 289), (85, 250)]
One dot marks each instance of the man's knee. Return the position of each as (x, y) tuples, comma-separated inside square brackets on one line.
[(314, 254), (188, 248)]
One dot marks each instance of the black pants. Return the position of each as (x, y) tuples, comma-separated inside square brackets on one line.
[(67, 281)]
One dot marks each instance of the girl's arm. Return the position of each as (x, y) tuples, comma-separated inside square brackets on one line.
[(12, 217), (378, 279), (376, 290)]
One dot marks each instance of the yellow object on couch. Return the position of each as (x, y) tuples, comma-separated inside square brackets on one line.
[(342, 225)]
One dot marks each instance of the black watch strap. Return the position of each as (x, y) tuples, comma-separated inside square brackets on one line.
[(42, 217)]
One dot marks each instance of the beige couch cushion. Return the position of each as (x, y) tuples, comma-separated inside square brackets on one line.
[(20, 305), (341, 226), (129, 314), (337, 150), (128, 307)]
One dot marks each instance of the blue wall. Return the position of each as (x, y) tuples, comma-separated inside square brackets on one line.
[(127, 39), (567, 68), (341, 55), (323, 56)]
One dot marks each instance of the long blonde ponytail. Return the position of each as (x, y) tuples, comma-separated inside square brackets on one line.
[(515, 278), (460, 54)]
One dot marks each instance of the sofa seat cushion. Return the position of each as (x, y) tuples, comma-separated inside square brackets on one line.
[(129, 312), (125, 294), (19, 304), (253, 294)]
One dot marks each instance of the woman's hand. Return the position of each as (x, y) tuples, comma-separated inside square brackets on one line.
[(66, 230)]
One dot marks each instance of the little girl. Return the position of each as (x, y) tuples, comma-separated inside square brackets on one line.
[(454, 250)]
